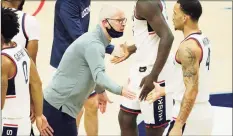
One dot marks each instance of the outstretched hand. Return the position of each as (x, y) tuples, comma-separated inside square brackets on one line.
[(156, 93), (125, 54), (102, 101)]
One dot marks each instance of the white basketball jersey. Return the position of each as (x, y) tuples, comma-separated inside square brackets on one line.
[(21, 38), (203, 87), (146, 40), (17, 102)]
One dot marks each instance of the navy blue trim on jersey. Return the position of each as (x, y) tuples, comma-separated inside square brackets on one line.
[(11, 87), (9, 130), (160, 111)]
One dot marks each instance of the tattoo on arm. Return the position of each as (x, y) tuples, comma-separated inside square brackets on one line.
[(190, 66)]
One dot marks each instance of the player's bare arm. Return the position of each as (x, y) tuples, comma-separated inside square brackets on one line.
[(150, 10), (132, 49), (189, 55), (36, 89), (32, 48), (127, 51), (37, 99), (8, 69)]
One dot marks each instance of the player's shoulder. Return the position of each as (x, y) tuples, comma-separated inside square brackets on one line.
[(147, 4), (188, 48), (30, 18), (148, 8), (7, 62)]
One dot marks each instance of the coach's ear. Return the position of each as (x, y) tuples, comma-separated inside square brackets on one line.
[(105, 23)]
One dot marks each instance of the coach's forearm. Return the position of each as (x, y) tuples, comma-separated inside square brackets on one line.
[(164, 48), (104, 81), (37, 98)]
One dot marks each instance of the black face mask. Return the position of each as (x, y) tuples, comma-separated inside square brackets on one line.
[(113, 33), (21, 5)]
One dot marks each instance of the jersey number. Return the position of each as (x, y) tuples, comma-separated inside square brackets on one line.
[(208, 59), (25, 71)]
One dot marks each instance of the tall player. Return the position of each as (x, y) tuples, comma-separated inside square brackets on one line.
[(192, 113), (18, 72), (153, 39)]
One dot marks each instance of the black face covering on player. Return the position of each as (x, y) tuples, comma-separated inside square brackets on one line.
[(21, 5), (113, 33)]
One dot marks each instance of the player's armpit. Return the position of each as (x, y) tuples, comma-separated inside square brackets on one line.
[(189, 56), (32, 48)]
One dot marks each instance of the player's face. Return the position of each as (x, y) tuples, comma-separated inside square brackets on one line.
[(178, 17), (118, 21)]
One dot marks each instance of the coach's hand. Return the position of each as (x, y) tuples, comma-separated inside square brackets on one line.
[(125, 52), (128, 94), (147, 86), (43, 126), (156, 93), (102, 101)]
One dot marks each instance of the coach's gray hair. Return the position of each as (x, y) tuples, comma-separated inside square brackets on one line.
[(107, 11)]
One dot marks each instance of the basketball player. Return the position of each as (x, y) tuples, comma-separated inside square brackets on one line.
[(72, 84), (28, 36), (18, 72), (71, 20), (192, 113), (29, 33), (153, 39)]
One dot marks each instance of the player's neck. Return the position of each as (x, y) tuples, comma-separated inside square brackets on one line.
[(189, 29), (7, 4), (8, 45)]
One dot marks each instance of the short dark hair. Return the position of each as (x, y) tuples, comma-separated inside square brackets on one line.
[(9, 24), (192, 8)]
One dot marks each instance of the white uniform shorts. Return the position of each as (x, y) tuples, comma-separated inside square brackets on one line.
[(16, 127), (156, 114), (199, 121)]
